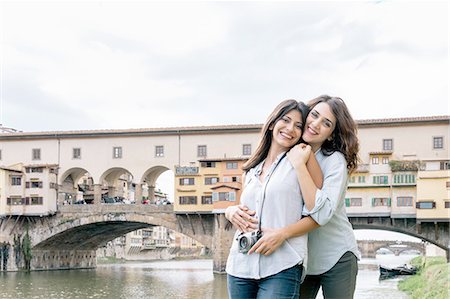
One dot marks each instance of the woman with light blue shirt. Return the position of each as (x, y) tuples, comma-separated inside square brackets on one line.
[(263, 263), (332, 249)]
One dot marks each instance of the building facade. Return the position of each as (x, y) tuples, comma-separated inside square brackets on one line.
[(403, 172)]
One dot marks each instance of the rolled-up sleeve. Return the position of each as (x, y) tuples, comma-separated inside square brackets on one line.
[(334, 170)]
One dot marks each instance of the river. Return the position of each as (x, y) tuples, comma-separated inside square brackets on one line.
[(165, 279)]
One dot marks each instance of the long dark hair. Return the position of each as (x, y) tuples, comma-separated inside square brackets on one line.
[(344, 137), (266, 132)]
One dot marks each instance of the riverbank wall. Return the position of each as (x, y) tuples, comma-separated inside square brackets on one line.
[(432, 280), (159, 253)]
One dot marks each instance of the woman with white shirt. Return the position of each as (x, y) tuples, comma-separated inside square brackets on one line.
[(263, 262), (332, 249)]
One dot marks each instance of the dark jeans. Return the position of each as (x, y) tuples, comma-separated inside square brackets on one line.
[(285, 284), (337, 283)]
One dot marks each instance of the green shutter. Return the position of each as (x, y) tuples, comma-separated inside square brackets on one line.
[(373, 201), (347, 202), (232, 196), (389, 201)]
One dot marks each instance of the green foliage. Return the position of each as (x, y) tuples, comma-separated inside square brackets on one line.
[(404, 165), (431, 281), (26, 250)]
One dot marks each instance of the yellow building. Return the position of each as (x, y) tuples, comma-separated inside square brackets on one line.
[(433, 194), (212, 186)]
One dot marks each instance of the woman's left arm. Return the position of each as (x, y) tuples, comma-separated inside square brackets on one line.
[(300, 156)]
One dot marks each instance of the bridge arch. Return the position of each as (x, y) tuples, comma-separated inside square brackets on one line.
[(75, 173), (91, 231), (151, 175), (409, 232)]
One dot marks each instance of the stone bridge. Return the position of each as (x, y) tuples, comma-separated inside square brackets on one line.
[(368, 248), (437, 233), (69, 239)]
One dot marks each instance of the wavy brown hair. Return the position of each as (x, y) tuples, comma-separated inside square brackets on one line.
[(344, 137), (266, 132)]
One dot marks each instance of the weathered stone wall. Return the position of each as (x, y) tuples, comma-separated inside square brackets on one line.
[(63, 259)]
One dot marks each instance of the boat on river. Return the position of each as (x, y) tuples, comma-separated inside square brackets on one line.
[(387, 272)]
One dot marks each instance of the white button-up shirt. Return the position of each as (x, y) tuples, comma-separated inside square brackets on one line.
[(283, 205), (335, 235)]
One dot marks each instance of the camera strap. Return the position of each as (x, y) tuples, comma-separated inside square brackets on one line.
[(264, 191)]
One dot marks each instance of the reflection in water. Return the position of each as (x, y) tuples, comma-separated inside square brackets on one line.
[(164, 279)]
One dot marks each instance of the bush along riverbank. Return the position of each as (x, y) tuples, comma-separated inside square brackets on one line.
[(431, 280)]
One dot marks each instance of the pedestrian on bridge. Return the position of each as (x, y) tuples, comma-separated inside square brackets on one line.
[(264, 260)]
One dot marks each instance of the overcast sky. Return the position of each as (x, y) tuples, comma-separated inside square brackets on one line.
[(113, 65)]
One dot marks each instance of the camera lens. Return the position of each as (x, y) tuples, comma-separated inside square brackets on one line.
[(243, 242)]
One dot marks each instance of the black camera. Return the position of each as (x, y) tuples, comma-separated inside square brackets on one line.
[(247, 240)]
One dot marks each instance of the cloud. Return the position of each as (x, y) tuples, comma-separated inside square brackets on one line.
[(155, 64)]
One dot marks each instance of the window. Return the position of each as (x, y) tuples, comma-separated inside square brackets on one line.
[(447, 184), (159, 151), (117, 152), (36, 200), (404, 179), (232, 165), (16, 180), (188, 200), (33, 184), (211, 181), (34, 169), (0, 154), (387, 145), (404, 201), (375, 160), (353, 202), (361, 179), (236, 179), (187, 181), (36, 154), (425, 205), (76, 153), (438, 142), (224, 196), (246, 149), (381, 201), (208, 164), (206, 200), (385, 160), (447, 205), (380, 179), (15, 201), (444, 165), (201, 151)]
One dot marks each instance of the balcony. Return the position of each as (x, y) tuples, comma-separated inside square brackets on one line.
[(362, 168), (405, 165), (186, 170)]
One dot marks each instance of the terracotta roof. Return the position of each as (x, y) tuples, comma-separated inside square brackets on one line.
[(223, 185), (381, 153), (10, 169), (223, 159), (205, 129)]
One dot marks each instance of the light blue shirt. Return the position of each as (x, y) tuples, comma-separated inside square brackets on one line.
[(282, 206), (335, 236)]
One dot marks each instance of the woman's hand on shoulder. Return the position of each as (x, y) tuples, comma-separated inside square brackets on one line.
[(242, 218), (299, 154)]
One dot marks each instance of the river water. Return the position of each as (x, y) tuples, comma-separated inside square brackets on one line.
[(166, 279)]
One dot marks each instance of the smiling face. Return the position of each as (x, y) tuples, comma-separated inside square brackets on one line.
[(287, 131), (319, 126)]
